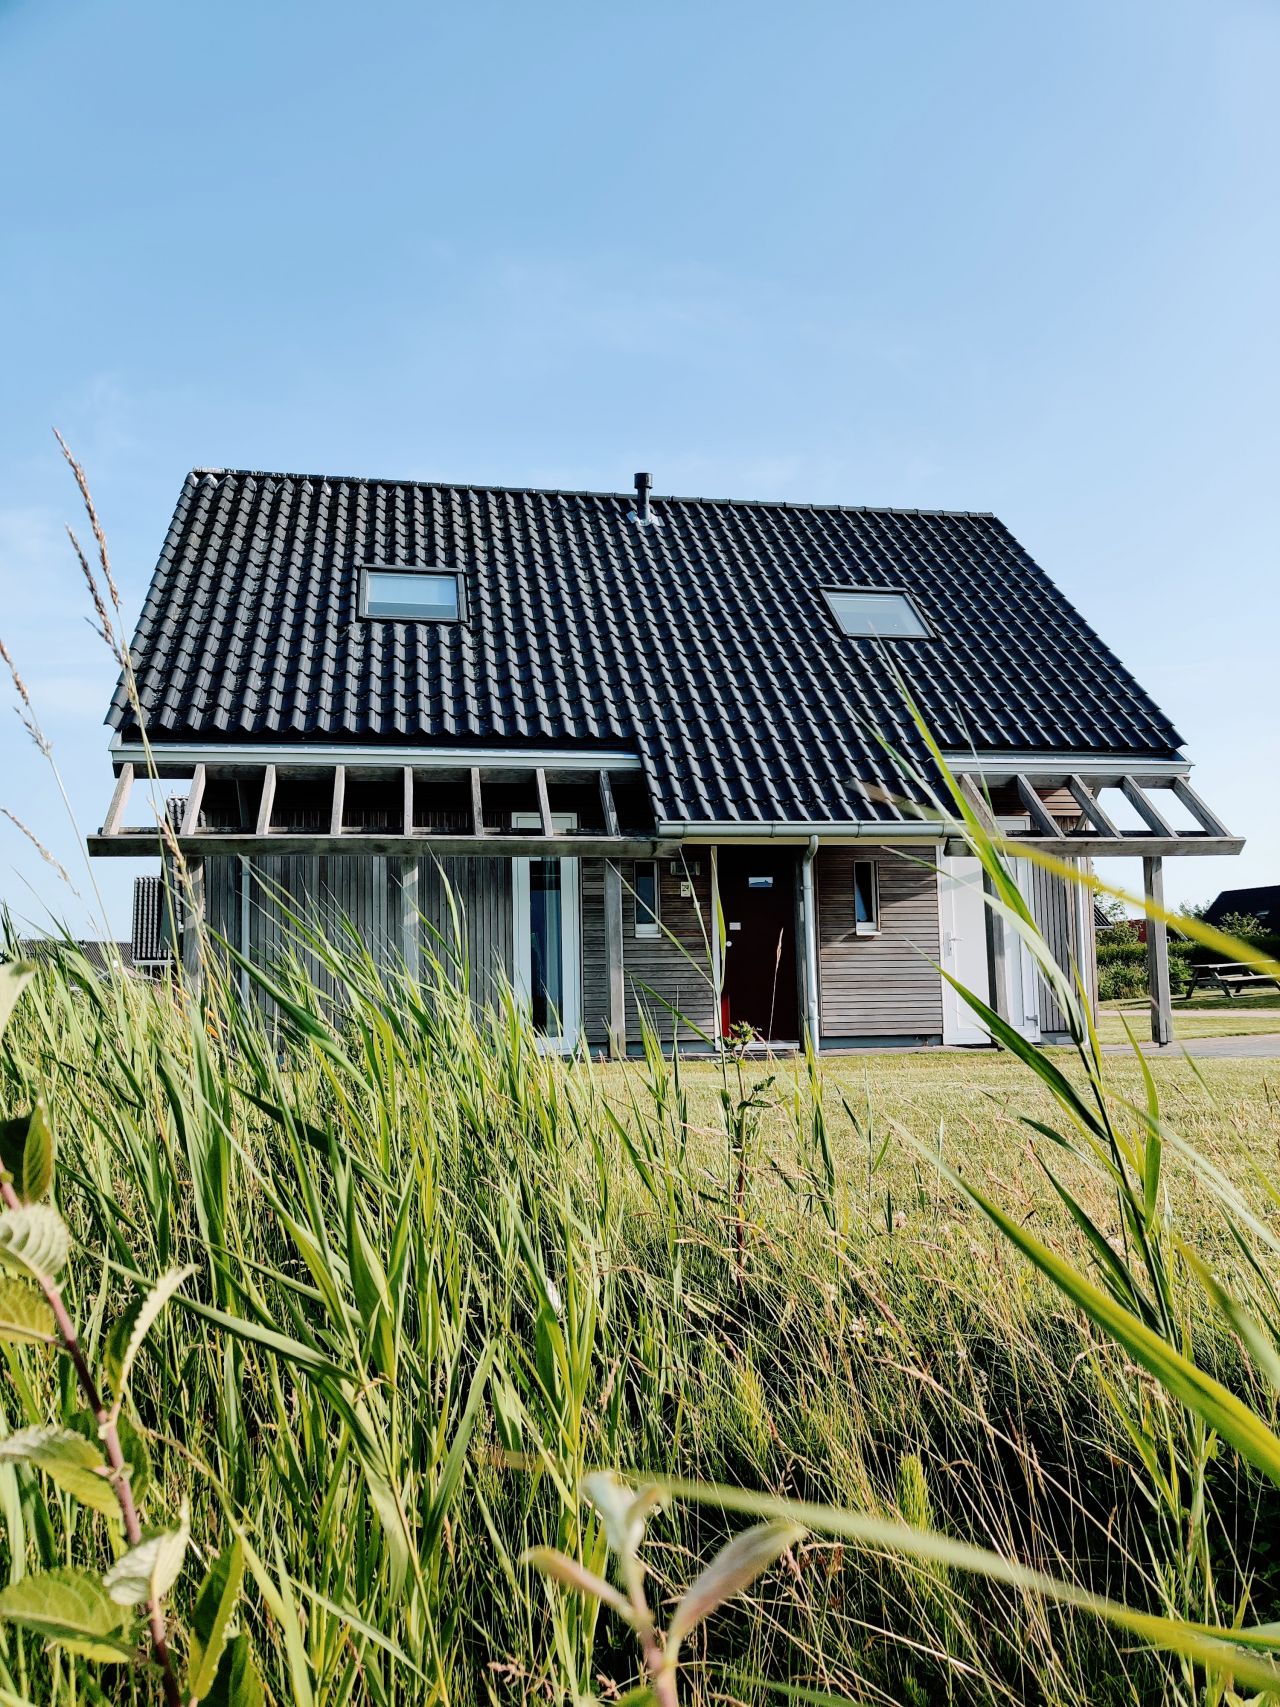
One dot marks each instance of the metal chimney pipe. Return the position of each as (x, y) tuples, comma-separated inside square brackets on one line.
[(644, 485)]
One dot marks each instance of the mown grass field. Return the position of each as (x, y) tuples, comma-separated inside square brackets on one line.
[(439, 1278)]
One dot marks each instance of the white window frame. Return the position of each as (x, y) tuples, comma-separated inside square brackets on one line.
[(423, 569), (648, 929), (871, 926)]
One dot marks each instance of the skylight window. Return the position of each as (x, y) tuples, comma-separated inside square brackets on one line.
[(411, 595), (876, 614)]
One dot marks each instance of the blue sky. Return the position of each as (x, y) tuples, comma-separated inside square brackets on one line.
[(993, 256)]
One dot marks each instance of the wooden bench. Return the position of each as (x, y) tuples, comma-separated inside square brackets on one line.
[(1231, 976)]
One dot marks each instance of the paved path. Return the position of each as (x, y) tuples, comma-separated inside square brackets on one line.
[(1263, 1046)]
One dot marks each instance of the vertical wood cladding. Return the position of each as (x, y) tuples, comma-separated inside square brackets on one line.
[(652, 966), (885, 985), (1056, 908)]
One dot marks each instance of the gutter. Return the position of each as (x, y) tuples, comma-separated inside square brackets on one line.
[(781, 829)]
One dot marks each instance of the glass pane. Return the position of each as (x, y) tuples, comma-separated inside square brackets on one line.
[(646, 895), (864, 893), (891, 616), (405, 594), (546, 952)]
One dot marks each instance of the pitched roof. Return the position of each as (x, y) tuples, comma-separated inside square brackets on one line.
[(1262, 903), (702, 642)]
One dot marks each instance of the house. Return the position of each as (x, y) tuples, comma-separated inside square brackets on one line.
[(1262, 903), (603, 721)]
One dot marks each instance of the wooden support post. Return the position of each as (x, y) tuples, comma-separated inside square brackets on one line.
[(997, 978), (477, 805), (410, 910), (614, 972), (544, 803), (339, 799), (266, 801), (1158, 957), (607, 806), (193, 925), (191, 812), (116, 809), (406, 814)]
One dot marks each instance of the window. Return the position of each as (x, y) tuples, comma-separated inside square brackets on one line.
[(866, 898), (876, 613), (646, 888), (411, 595)]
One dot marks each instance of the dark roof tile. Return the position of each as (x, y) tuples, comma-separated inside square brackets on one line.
[(703, 643)]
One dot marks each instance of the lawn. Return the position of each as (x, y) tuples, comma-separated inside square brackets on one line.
[(437, 1278), (1247, 1016)]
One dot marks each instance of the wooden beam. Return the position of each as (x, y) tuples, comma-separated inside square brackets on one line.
[(1158, 957), (1076, 846), (119, 799), (1089, 804), (1040, 817), (607, 805), (406, 816), (195, 794), (1143, 807), (614, 972), (519, 844), (339, 799), (1208, 820), (266, 800), (544, 803), (407, 881), (193, 925), (477, 804)]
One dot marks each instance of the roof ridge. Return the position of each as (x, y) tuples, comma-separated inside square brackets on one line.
[(571, 492)]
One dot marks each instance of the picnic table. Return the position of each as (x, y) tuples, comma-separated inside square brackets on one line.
[(1231, 976)]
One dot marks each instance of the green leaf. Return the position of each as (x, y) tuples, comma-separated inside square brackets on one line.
[(25, 1316), (1219, 1650), (734, 1568), (214, 1606), (623, 1510), (126, 1338), (562, 1569), (67, 1458), (34, 1240), (26, 1151), (14, 978), (1178, 1375), (71, 1607), (238, 1683), (149, 1570)]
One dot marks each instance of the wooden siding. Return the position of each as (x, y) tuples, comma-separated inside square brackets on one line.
[(654, 962), (885, 985), (1056, 909), (471, 896)]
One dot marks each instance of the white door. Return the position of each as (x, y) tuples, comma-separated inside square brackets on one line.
[(964, 947), (547, 957)]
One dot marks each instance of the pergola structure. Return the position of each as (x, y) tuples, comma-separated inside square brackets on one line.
[(253, 803), (1069, 816)]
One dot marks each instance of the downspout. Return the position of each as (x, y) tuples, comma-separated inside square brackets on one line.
[(809, 910)]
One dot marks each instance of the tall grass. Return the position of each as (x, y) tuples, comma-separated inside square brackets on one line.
[(440, 1278), (1009, 1407)]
